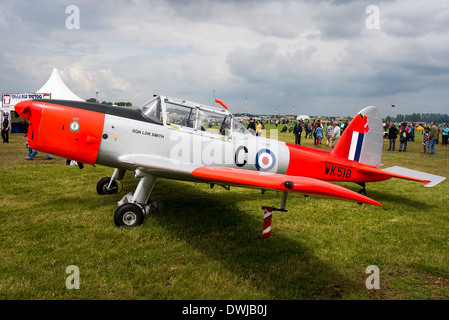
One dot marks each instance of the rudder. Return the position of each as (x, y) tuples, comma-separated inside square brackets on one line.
[(362, 140)]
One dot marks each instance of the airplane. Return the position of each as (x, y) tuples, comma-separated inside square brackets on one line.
[(178, 139)]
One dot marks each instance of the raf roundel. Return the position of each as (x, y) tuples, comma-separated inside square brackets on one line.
[(265, 160)]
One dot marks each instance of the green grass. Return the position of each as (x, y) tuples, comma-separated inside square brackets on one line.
[(206, 243)]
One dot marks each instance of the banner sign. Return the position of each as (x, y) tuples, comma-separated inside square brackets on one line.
[(9, 100)]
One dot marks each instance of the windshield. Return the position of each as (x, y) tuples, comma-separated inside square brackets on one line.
[(152, 110), (219, 123), (237, 127)]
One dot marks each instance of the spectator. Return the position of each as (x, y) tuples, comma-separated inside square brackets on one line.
[(329, 132), (297, 130), (445, 133), (259, 128), (426, 139), (405, 135), (433, 138), (319, 134), (412, 133), (335, 135), (251, 126), (6, 126), (392, 135)]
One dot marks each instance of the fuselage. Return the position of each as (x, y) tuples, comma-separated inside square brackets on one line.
[(180, 133)]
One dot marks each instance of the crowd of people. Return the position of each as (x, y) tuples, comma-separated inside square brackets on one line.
[(406, 133), (319, 130), (330, 132)]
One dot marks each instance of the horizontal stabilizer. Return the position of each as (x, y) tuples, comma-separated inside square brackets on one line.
[(432, 179)]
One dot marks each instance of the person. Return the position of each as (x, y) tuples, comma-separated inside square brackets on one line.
[(319, 134), (404, 136), (433, 138), (258, 128), (307, 129), (445, 133), (6, 125), (251, 126), (297, 130), (392, 135), (291, 127), (31, 153), (329, 132), (426, 139), (412, 133), (335, 135), (284, 129), (315, 124)]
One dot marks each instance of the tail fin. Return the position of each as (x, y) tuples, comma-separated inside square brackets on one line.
[(361, 141)]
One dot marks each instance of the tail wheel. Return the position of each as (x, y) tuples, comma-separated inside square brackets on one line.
[(102, 186), (128, 215)]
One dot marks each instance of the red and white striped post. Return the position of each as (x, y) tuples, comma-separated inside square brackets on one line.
[(267, 215)]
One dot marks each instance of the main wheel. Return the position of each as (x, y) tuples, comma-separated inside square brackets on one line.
[(102, 186), (128, 215)]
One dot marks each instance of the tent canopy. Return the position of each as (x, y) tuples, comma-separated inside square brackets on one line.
[(58, 88), (302, 117)]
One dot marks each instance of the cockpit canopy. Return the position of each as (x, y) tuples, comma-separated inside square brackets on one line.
[(191, 116)]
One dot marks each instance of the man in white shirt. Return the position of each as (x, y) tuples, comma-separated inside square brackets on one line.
[(336, 134)]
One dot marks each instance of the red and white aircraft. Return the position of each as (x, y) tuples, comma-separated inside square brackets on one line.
[(178, 139)]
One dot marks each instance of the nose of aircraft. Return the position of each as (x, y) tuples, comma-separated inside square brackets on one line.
[(23, 108)]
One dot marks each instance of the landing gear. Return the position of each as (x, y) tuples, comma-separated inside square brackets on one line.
[(128, 215), (134, 206), (363, 190), (109, 185)]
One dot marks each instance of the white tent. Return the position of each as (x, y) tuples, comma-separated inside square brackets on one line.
[(302, 117), (58, 88)]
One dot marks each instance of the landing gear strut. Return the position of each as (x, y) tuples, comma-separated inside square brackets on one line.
[(363, 190), (133, 207)]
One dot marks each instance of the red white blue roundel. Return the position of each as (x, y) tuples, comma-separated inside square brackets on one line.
[(265, 160)]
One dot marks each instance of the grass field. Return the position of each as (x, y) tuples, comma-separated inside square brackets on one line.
[(206, 243)]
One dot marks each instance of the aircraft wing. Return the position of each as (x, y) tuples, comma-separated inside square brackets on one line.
[(280, 182), (159, 167), (243, 178)]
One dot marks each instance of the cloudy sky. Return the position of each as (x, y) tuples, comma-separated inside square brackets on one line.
[(307, 57)]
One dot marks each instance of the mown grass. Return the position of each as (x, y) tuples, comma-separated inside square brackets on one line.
[(206, 243)]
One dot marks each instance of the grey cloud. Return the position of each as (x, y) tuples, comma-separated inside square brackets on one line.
[(278, 53)]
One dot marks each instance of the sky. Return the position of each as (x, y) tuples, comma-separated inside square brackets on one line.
[(322, 58)]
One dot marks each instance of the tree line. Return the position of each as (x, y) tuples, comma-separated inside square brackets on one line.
[(122, 104), (423, 117)]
